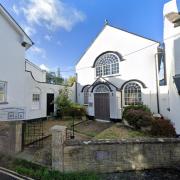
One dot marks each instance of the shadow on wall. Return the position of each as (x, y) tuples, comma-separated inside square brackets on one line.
[(176, 56)]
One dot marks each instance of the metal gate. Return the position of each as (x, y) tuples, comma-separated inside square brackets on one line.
[(32, 133), (101, 106)]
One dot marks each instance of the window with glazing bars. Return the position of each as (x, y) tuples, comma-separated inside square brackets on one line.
[(107, 64), (132, 94)]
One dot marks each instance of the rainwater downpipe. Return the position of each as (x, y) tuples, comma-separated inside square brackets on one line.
[(157, 81)]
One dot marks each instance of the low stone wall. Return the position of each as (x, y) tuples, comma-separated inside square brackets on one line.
[(10, 137), (113, 156)]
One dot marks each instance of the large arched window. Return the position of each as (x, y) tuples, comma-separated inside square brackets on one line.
[(107, 64), (132, 94)]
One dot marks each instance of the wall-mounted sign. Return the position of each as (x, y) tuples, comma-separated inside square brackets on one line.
[(10, 114)]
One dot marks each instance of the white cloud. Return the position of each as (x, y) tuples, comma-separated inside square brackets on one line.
[(15, 9), (29, 30), (44, 67), (48, 37), (38, 51), (52, 14)]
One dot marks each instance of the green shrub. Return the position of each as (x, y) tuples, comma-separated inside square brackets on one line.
[(63, 98), (65, 107), (162, 127), (77, 110), (138, 107), (138, 118)]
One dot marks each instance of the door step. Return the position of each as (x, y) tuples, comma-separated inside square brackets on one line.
[(101, 120)]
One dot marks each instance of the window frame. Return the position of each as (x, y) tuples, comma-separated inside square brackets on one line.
[(36, 101), (108, 67), (136, 96), (4, 101)]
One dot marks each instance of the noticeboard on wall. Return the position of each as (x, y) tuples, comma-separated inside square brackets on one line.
[(12, 114)]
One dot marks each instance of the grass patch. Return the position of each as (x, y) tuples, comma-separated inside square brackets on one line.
[(90, 134), (119, 132), (92, 128), (38, 172)]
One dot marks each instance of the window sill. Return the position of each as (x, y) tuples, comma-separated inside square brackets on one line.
[(3, 103), (86, 104)]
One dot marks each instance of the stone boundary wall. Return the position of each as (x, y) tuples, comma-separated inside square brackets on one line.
[(113, 156)]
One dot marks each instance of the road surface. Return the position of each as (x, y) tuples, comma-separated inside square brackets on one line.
[(10, 175)]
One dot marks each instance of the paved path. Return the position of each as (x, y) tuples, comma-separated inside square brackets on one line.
[(10, 175)]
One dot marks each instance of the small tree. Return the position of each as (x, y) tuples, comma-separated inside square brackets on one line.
[(63, 102), (66, 106), (71, 80)]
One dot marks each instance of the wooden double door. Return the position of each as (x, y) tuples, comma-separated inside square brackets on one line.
[(102, 106)]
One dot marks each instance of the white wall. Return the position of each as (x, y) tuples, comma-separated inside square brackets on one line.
[(45, 89), (139, 64), (172, 46), (11, 63), (38, 74)]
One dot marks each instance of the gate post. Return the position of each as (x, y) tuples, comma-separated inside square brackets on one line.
[(18, 146), (58, 138), (15, 137)]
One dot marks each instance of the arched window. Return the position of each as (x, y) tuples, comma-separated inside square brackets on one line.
[(102, 88), (107, 64), (132, 94), (86, 94)]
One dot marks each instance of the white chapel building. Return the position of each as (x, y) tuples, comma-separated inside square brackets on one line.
[(121, 68), (118, 69)]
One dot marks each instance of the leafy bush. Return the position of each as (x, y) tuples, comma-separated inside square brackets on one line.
[(162, 127), (66, 107), (138, 118), (63, 101), (138, 107), (77, 110)]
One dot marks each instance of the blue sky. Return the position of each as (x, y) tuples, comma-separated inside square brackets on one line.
[(63, 29)]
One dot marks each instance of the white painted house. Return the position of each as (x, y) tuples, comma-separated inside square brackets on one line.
[(170, 93), (24, 93), (121, 68)]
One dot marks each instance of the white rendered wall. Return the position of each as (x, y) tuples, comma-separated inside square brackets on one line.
[(38, 74), (11, 64), (172, 46), (137, 65)]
